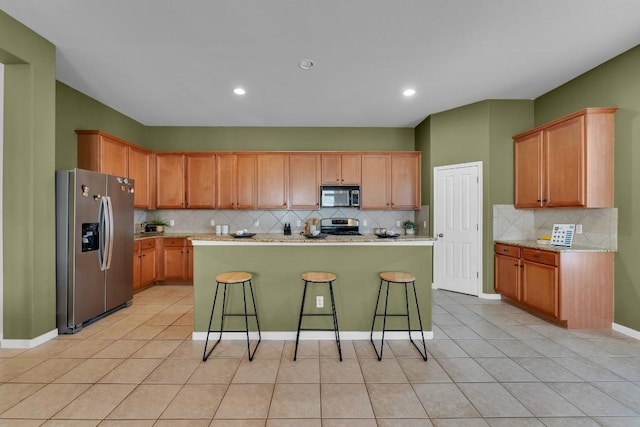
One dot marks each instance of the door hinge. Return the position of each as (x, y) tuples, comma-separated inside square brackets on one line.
[(477, 274), (477, 227)]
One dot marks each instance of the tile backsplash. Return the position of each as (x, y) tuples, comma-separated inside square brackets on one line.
[(599, 226), (272, 221)]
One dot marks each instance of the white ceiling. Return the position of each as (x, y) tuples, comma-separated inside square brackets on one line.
[(175, 63)]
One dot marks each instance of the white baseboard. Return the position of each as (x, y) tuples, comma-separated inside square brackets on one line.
[(9, 343), (490, 296), (313, 335), (627, 331)]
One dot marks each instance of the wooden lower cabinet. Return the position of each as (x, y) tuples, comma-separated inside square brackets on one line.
[(177, 259), (573, 289), (144, 263)]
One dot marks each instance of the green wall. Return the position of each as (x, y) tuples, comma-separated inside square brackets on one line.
[(423, 144), (28, 176), (616, 84), (278, 138), (472, 133), (75, 110)]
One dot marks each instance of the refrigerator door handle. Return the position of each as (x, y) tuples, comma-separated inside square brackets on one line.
[(102, 221), (109, 232)]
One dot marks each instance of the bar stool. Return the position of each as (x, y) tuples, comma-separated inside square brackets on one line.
[(401, 278), (318, 277), (228, 279)]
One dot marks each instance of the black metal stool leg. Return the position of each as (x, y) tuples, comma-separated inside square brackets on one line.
[(375, 316), (304, 295), (424, 344), (255, 313), (205, 356), (335, 320)]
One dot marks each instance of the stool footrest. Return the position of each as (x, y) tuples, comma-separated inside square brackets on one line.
[(316, 329)]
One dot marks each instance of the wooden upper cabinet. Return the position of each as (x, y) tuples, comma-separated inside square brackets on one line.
[(304, 179), (100, 152), (200, 184), (567, 162), (391, 181), (170, 180), (140, 170), (246, 181), (341, 169), (235, 181), (375, 189), (405, 181), (272, 180), (528, 171)]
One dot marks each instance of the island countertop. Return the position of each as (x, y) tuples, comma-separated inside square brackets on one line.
[(297, 239)]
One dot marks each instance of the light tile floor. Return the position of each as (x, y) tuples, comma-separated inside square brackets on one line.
[(490, 364)]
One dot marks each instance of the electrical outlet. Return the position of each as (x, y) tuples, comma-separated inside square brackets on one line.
[(398, 224), (424, 224), (319, 301), (578, 228), (298, 223), (365, 223), (213, 222), (257, 223), (171, 223)]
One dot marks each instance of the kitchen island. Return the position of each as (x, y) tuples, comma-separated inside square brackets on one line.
[(276, 263)]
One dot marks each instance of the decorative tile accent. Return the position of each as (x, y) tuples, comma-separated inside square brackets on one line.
[(599, 226)]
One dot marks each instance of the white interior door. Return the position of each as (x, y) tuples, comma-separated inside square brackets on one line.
[(457, 218), (1, 197)]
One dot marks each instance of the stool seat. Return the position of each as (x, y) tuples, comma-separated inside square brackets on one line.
[(397, 277), (318, 276), (233, 277)]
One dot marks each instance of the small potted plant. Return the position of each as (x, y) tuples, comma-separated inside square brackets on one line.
[(410, 227), (156, 224)]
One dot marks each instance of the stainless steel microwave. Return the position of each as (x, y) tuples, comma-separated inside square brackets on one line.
[(334, 197)]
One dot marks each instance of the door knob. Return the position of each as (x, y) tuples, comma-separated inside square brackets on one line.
[(440, 235)]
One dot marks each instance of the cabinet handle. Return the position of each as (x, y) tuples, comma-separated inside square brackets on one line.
[(516, 264), (505, 250), (536, 256), (522, 266), (545, 200)]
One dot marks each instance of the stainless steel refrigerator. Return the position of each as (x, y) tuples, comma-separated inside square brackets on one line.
[(94, 246)]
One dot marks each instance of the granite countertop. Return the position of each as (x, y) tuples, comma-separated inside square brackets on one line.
[(533, 244), (300, 239)]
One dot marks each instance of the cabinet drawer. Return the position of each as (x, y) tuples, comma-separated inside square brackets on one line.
[(542, 257), (508, 250), (173, 243), (147, 243)]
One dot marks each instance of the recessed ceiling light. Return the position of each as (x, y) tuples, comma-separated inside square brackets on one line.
[(239, 91), (409, 92), (306, 64)]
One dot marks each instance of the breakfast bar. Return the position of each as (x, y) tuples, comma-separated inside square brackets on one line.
[(276, 263)]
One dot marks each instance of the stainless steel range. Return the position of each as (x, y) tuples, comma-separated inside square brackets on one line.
[(340, 226)]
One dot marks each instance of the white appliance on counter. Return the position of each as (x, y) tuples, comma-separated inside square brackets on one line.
[(94, 246)]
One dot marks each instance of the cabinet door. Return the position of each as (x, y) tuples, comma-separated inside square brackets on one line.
[(565, 158), (113, 157), (246, 181), (330, 169), (225, 181), (140, 171), (189, 250), (200, 181), (136, 265), (304, 174), (375, 188), (148, 266), (528, 171), (405, 181), (507, 272), (174, 259), (350, 169), (272, 179), (170, 177), (540, 287)]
